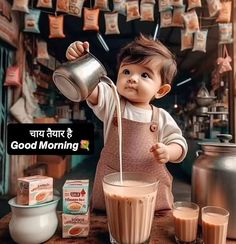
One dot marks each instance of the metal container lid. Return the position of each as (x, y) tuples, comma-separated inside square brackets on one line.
[(224, 146)]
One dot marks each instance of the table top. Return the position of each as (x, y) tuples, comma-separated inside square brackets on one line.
[(162, 231)]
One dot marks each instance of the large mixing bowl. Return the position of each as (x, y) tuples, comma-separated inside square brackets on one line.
[(33, 224)]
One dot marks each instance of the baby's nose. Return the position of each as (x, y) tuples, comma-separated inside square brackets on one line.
[(133, 79)]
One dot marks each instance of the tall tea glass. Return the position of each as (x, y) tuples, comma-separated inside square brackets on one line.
[(130, 206)]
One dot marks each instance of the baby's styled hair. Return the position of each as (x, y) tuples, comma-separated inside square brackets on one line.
[(145, 47)]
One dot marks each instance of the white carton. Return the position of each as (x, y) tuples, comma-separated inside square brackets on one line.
[(35, 189), (75, 225), (75, 196)]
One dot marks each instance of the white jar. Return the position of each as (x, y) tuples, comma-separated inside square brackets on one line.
[(33, 224)]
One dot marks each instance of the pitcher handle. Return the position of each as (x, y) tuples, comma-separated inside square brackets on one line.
[(198, 153)]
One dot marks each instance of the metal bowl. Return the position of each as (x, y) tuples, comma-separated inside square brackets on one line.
[(204, 101)]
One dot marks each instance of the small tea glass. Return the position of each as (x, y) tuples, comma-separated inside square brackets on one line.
[(214, 225), (185, 222)]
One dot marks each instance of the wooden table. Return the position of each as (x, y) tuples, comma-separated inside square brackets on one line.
[(162, 231)]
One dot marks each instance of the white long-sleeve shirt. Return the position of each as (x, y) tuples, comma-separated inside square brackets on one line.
[(169, 131)]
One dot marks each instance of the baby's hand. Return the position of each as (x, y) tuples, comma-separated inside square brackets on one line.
[(160, 153), (76, 50)]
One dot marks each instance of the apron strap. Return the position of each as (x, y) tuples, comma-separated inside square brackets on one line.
[(154, 127)]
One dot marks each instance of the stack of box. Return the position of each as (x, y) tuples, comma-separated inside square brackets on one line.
[(75, 216), (33, 190)]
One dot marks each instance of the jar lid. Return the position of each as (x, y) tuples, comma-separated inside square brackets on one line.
[(218, 147)]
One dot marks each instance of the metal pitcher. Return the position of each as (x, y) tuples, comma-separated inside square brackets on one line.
[(78, 78)]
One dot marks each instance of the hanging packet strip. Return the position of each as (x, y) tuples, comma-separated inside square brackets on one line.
[(194, 4), (177, 19), (186, 40), (44, 4), (62, 6), (132, 8), (225, 33), (21, 6), (42, 50), (214, 7), (225, 12), (32, 20), (147, 11), (166, 18), (177, 3), (56, 26), (200, 39), (119, 6), (13, 76), (191, 21), (102, 5), (76, 7), (111, 23), (91, 19)]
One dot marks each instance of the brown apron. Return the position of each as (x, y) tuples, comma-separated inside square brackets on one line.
[(137, 139)]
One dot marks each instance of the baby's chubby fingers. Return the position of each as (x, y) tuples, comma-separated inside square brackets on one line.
[(156, 148), (76, 50)]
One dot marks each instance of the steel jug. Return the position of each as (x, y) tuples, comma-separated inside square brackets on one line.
[(78, 78), (214, 179)]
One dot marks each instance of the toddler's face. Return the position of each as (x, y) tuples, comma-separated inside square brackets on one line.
[(139, 83)]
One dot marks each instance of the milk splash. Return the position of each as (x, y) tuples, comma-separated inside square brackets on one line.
[(118, 111)]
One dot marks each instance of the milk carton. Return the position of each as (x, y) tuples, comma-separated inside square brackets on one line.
[(75, 225), (75, 196), (35, 189)]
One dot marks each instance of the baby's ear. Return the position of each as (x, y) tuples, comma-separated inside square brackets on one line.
[(163, 91)]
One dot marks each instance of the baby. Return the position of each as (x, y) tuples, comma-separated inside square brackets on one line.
[(151, 137)]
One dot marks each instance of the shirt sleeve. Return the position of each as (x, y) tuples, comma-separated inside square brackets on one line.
[(169, 132), (105, 101), (105, 107)]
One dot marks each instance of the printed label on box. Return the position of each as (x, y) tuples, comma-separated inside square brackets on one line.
[(75, 196), (35, 189), (75, 225)]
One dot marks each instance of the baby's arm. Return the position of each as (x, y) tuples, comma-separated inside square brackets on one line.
[(165, 153), (76, 50)]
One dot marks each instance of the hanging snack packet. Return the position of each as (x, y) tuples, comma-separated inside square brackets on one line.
[(214, 7), (44, 4), (62, 6), (132, 10), (91, 19), (194, 4), (191, 21), (166, 18), (13, 76), (56, 26), (75, 7), (225, 12), (200, 39), (164, 5), (186, 40), (147, 11), (21, 6), (225, 33), (177, 20), (176, 3), (32, 20), (111, 23), (102, 5), (119, 6), (42, 50)]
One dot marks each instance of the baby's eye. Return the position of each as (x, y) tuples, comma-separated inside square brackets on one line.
[(145, 75), (126, 72)]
